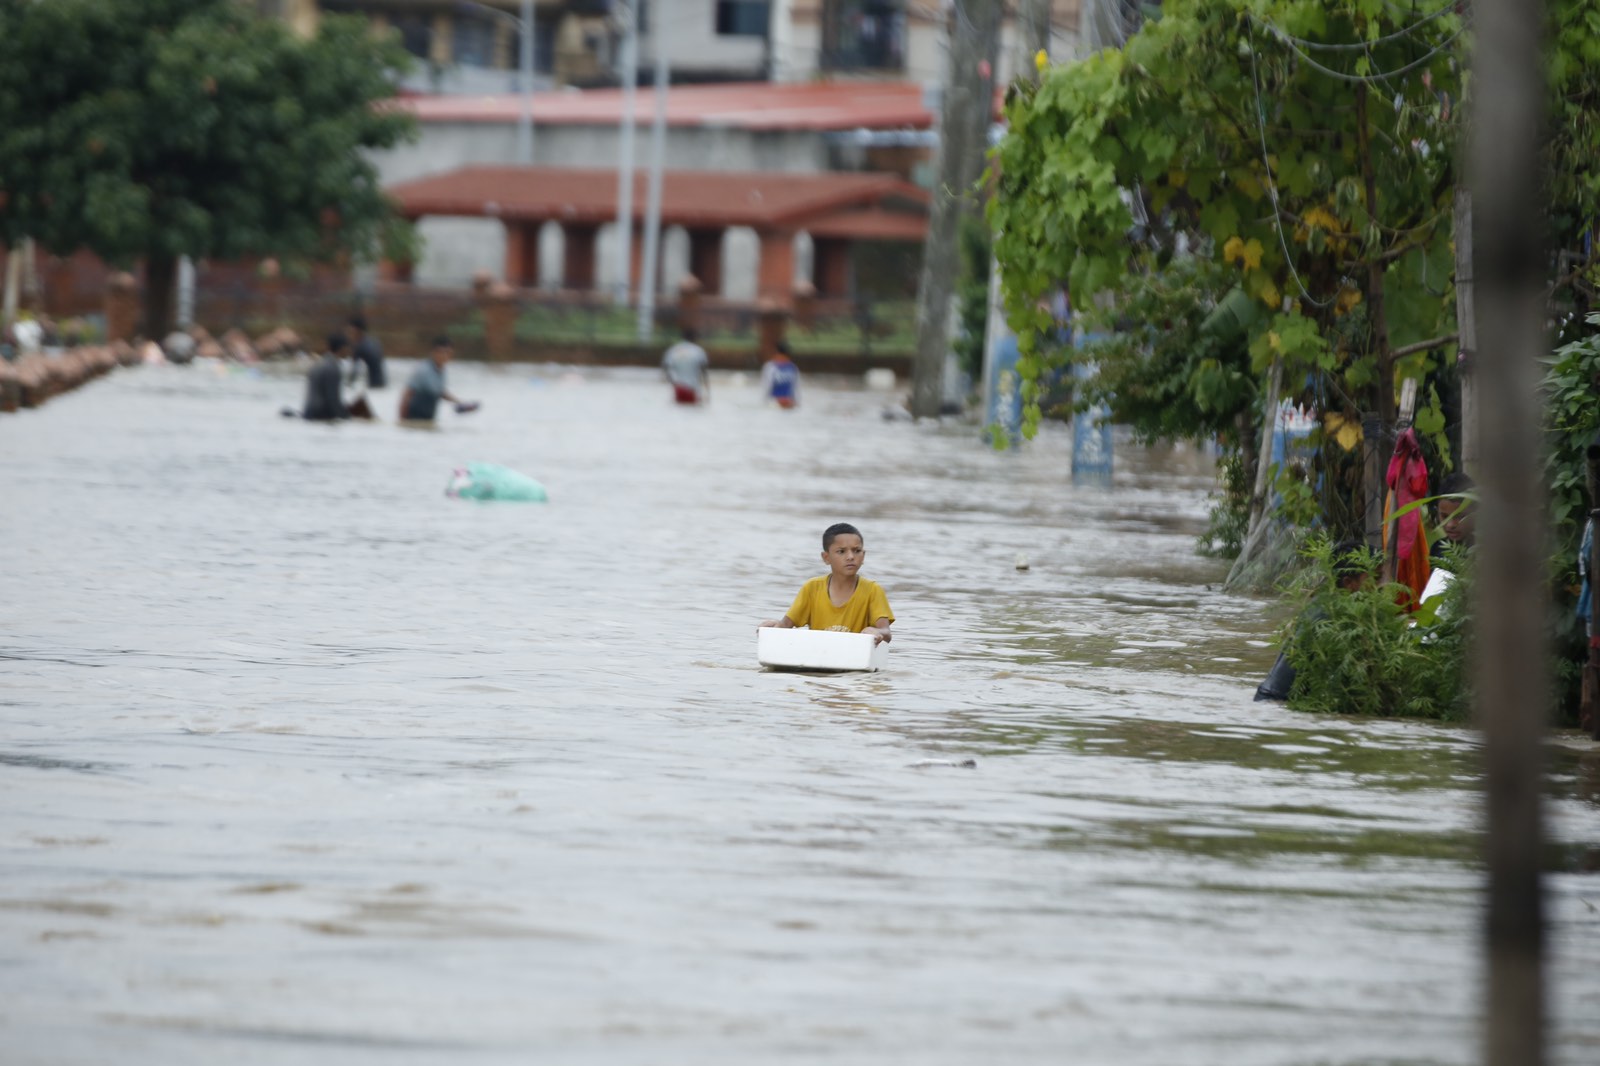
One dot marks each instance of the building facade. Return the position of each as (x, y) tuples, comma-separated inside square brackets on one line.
[(474, 46)]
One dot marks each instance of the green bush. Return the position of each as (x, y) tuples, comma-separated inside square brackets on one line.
[(1572, 419), (1357, 651)]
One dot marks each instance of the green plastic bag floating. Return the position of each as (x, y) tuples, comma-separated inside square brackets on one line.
[(490, 481)]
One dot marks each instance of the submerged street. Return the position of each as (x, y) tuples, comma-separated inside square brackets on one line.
[(303, 761)]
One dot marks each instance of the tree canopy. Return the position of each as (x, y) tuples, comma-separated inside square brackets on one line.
[(1307, 146), (152, 129)]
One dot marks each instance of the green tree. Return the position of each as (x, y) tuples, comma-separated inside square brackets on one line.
[(1306, 147), (153, 129), (1574, 145)]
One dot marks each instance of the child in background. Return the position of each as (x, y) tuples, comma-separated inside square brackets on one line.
[(841, 600), (780, 378)]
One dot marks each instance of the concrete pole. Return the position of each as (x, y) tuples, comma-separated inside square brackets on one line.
[(13, 285), (966, 107), (652, 210), (1033, 37), (630, 77), (525, 126), (185, 292), (1510, 657)]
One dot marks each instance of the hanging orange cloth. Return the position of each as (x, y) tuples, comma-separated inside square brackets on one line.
[(1408, 482)]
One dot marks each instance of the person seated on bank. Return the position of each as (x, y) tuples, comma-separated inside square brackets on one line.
[(841, 600), (1457, 518), (780, 378), (1353, 567), (1458, 531), (420, 400), (323, 402), (688, 369)]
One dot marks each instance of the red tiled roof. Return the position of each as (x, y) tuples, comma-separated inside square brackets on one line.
[(872, 224), (818, 107), (763, 200)]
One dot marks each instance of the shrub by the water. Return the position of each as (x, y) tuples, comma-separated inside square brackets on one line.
[(1356, 651)]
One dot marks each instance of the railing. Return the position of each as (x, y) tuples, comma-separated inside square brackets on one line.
[(408, 317)]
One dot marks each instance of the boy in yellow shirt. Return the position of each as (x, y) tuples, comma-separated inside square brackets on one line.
[(841, 600)]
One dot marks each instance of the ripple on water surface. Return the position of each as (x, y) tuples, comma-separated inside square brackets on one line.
[(303, 761)]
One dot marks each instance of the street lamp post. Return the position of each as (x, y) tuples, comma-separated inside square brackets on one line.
[(630, 72), (525, 126), (525, 27)]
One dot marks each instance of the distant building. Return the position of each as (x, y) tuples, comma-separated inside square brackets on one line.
[(474, 46)]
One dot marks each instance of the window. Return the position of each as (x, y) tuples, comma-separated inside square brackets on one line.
[(742, 18), (415, 34), (864, 35), (472, 42)]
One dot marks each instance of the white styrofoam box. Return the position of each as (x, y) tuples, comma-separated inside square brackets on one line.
[(819, 649)]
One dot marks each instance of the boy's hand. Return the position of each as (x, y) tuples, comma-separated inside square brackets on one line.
[(768, 624), (878, 635)]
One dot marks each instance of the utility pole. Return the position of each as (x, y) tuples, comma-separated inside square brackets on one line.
[(1512, 684), (652, 209), (630, 78), (966, 108)]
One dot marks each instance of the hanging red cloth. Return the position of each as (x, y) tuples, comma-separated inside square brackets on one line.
[(1408, 482)]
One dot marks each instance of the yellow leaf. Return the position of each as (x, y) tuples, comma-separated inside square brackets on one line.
[(1274, 341), (1322, 219), (1177, 178), (1252, 254), (1349, 298), (1232, 249), (1269, 294), (1041, 59), (1346, 432)]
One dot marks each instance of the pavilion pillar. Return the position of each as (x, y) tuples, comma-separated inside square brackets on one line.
[(636, 260), (705, 259), (830, 266), (578, 256), (394, 270), (522, 254), (776, 274)]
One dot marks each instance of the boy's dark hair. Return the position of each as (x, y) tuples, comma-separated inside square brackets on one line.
[(442, 341), (782, 348), (1351, 559), (337, 342), (1456, 481), (689, 333), (838, 529), (358, 322)]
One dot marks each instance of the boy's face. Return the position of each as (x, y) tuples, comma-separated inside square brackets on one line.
[(845, 555), (1458, 520)]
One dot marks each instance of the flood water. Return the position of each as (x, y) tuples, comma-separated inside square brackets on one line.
[(302, 761)]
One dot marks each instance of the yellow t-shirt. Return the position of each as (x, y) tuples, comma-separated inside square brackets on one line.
[(866, 605)]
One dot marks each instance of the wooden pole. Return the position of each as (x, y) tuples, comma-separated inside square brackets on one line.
[(1589, 713), (1512, 691), (1467, 329)]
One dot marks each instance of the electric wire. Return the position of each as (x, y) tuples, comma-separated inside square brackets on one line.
[(1272, 186), (1364, 45), (1359, 79)]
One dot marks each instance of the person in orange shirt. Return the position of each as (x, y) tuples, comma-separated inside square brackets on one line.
[(841, 600)]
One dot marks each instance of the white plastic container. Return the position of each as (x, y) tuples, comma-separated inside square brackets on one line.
[(819, 650)]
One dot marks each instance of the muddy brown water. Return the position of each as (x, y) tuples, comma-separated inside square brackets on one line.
[(301, 761)]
